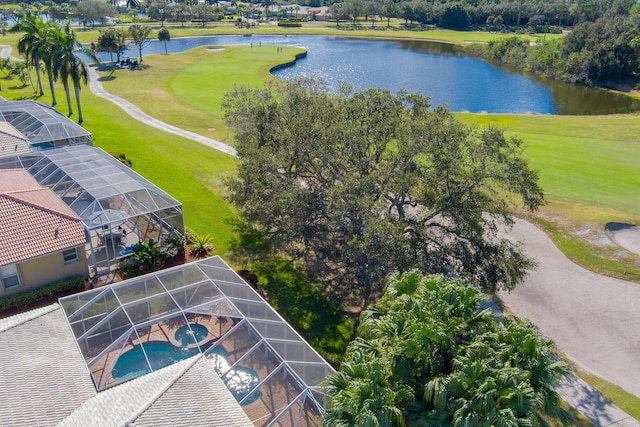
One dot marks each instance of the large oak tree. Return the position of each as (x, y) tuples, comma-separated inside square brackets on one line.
[(354, 186)]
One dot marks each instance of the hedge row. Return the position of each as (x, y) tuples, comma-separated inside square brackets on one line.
[(289, 24), (38, 294)]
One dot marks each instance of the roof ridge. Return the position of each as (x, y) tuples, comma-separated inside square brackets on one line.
[(9, 195), (28, 316), (163, 390)]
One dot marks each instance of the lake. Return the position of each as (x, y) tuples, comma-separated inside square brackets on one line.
[(438, 70)]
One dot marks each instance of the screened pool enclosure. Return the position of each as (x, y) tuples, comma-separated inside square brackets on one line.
[(117, 206), (43, 126), (135, 327)]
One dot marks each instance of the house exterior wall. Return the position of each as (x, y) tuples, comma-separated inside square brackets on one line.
[(47, 269)]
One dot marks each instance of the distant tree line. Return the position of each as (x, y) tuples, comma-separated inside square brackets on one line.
[(496, 14), (492, 14), (601, 53)]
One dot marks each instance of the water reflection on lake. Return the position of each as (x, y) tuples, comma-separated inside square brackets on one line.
[(438, 70)]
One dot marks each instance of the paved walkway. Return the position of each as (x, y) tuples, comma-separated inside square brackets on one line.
[(96, 87), (593, 319)]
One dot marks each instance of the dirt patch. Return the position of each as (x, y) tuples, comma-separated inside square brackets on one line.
[(592, 234)]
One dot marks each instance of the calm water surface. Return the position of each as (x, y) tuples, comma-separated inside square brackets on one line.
[(435, 69)]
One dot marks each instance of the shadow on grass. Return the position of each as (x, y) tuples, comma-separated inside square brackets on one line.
[(321, 323), (286, 288), (106, 78)]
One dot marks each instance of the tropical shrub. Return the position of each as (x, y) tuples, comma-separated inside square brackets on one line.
[(426, 355), (149, 256), (200, 245)]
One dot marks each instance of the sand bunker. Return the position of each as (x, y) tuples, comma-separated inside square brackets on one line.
[(626, 235)]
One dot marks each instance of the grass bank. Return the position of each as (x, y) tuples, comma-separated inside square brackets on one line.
[(380, 29), (186, 89)]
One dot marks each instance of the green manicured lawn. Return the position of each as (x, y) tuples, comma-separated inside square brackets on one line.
[(186, 89), (189, 171), (589, 161), (311, 28)]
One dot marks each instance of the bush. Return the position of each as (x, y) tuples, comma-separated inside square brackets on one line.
[(38, 294), (122, 158), (148, 256), (174, 242), (130, 267), (200, 245), (289, 24)]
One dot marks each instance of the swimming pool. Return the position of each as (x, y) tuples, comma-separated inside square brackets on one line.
[(133, 364), (240, 381), (200, 332)]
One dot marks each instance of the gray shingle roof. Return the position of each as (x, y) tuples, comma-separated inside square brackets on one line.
[(212, 404), (44, 378), (187, 393)]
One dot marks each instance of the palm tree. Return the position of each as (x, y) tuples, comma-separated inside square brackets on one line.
[(31, 43), (200, 245), (47, 52), (164, 36), (68, 65), (425, 355)]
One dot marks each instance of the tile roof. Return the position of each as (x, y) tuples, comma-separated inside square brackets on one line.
[(20, 318), (16, 179), (12, 142), (33, 220), (43, 378)]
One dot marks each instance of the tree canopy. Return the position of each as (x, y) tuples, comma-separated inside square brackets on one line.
[(425, 355), (112, 40), (141, 35), (354, 186)]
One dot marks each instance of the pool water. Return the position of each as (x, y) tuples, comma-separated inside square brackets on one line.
[(240, 381), (184, 334), (133, 364)]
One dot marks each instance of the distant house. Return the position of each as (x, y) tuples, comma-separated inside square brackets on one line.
[(318, 13), (12, 142), (43, 126), (41, 239)]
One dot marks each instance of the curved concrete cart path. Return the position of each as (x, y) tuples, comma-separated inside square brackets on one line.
[(594, 319), (96, 87)]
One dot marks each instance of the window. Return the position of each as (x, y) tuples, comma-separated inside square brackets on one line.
[(9, 275), (70, 255)]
